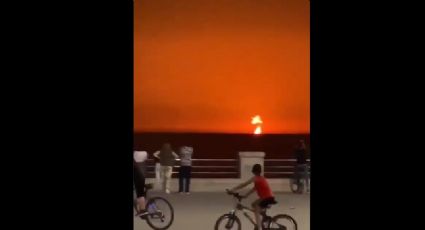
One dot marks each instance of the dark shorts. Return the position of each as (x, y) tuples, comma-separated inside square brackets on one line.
[(267, 201), (140, 189), (139, 184)]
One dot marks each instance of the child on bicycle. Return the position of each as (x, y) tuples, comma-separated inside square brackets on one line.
[(263, 191)]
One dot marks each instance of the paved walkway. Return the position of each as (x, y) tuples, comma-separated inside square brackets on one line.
[(200, 210)]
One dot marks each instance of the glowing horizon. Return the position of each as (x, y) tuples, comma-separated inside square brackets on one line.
[(205, 66)]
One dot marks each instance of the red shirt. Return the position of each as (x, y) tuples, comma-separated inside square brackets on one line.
[(262, 187)]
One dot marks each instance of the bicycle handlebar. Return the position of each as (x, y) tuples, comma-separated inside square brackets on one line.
[(235, 194)]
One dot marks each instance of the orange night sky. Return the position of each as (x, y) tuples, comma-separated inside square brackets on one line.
[(211, 65)]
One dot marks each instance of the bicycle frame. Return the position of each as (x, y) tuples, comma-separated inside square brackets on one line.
[(240, 207), (267, 222), (299, 178), (152, 209), (299, 174)]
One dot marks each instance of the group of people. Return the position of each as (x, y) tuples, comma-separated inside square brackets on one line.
[(165, 159)]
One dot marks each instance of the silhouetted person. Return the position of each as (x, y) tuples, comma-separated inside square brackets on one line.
[(301, 155)]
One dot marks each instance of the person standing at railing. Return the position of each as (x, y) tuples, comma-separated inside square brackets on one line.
[(301, 156), (166, 158), (185, 171)]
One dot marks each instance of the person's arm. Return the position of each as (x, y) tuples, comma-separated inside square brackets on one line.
[(175, 155), (308, 153), (156, 154), (243, 185), (249, 192), (180, 153)]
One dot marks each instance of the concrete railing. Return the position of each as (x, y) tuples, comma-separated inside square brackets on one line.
[(204, 168), (210, 175)]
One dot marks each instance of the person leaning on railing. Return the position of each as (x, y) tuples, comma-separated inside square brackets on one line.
[(185, 171), (166, 158)]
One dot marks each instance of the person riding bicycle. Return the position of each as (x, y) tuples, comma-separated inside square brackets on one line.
[(139, 184), (263, 190)]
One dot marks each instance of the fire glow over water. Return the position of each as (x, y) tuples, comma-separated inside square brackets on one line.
[(257, 122), (257, 130)]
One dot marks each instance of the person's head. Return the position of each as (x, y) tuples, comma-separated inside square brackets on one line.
[(166, 146), (256, 169), (186, 149), (301, 144), (140, 156)]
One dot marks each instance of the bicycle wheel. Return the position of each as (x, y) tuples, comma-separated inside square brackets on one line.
[(283, 222), (228, 222), (297, 186), (161, 213)]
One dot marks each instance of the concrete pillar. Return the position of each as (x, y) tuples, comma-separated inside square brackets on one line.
[(247, 160)]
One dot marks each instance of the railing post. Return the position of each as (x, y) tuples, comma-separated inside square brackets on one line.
[(247, 160)]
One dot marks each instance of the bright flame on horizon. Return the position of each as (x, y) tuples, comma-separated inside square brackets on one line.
[(257, 130), (257, 121)]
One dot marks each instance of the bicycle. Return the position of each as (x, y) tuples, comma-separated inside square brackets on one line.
[(296, 183), (232, 221), (160, 212)]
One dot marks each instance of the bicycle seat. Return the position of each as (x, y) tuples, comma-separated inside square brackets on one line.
[(269, 204)]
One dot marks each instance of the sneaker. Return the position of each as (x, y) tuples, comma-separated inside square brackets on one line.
[(180, 193), (167, 191), (188, 193), (142, 214)]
